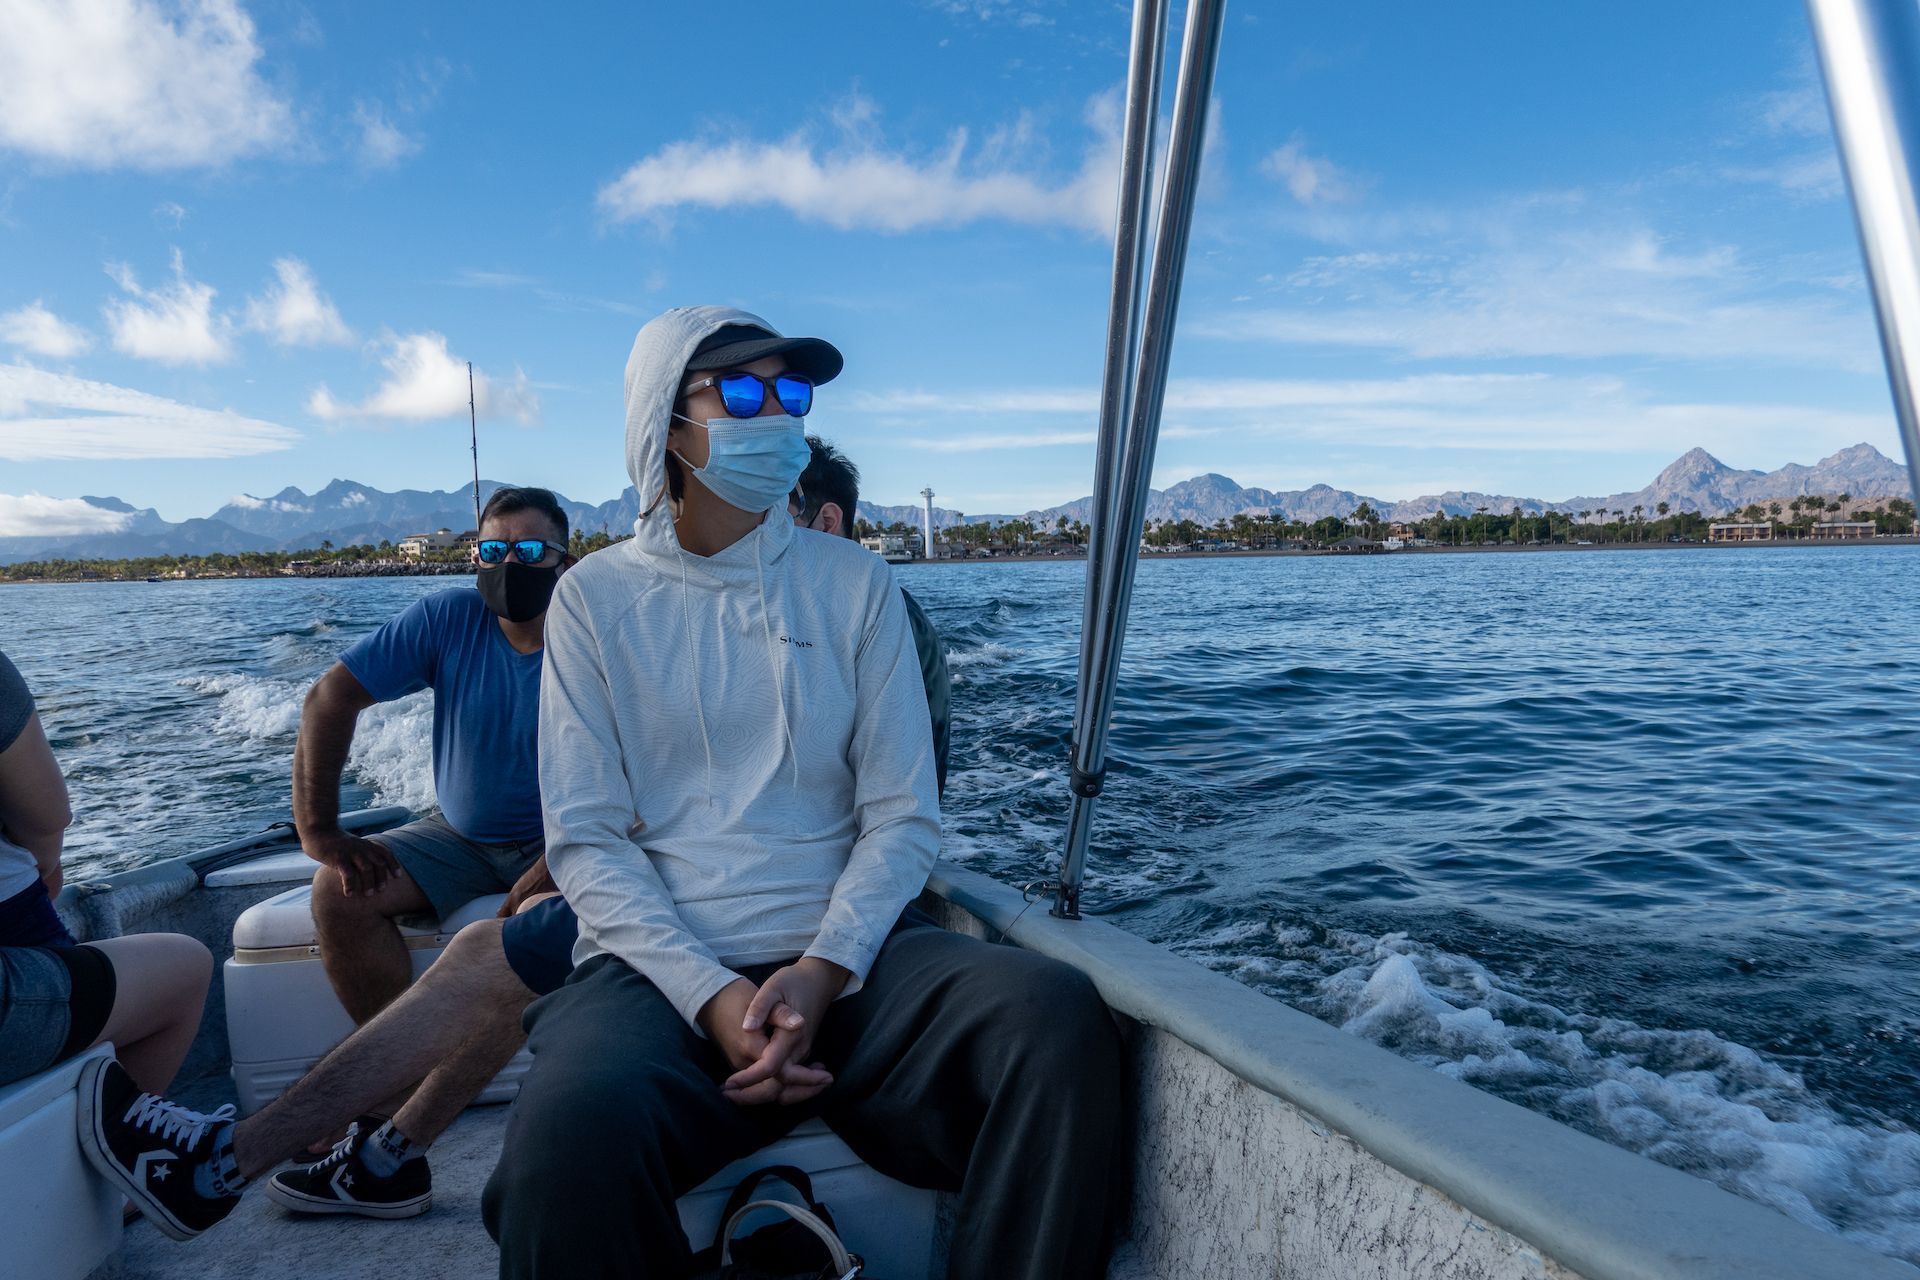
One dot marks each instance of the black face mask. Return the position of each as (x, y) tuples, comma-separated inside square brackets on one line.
[(517, 592)]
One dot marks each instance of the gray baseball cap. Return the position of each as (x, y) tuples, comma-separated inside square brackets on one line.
[(737, 344)]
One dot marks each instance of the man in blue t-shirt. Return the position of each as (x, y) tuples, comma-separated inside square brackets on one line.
[(479, 650)]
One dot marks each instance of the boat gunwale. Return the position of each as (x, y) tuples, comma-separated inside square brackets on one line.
[(203, 862), (1600, 1210)]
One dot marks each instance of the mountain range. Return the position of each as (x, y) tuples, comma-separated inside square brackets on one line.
[(345, 512)]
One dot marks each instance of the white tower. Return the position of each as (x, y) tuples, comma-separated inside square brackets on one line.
[(928, 545)]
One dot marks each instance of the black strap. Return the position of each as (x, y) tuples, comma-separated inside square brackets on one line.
[(786, 1173)]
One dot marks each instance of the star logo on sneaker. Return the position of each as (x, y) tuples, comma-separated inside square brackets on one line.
[(153, 1166)]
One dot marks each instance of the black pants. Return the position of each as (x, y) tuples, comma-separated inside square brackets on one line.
[(960, 1066)]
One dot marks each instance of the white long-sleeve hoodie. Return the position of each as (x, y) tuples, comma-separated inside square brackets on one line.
[(736, 759)]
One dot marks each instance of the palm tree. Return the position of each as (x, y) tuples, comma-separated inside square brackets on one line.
[(1364, 515), (1482, 513)]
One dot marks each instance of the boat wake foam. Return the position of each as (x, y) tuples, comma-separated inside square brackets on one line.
[(1689, 1099), (990, 653), (392, 752)]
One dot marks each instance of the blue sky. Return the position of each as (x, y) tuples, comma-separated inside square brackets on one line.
[(1525, 248)]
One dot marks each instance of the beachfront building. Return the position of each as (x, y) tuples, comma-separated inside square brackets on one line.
[(419, 544), (1842, 530), (1739, 531), (894, 548)]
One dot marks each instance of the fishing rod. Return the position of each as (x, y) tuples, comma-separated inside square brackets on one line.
[(473, 428)]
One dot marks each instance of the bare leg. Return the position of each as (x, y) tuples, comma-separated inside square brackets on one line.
[(160, 987), (360, 946), (422, 1030), (453, 1085)]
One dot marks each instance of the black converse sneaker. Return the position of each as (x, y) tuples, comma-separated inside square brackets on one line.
[(342, 1183), (176, 1165)]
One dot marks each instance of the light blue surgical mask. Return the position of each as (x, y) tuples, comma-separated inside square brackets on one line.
[(752, 463)]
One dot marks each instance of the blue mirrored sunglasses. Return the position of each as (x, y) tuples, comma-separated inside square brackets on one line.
[(745, 394), (526, 551)]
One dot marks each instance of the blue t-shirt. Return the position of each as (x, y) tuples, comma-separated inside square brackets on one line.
[(486, 709)]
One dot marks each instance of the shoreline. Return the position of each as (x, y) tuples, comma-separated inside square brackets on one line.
[(1898, 540), (1895, 540)]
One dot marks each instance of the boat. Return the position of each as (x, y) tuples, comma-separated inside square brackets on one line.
[(1261, 1142)]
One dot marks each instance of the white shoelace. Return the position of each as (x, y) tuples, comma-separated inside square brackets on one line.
[(173, 1122), (341, 1150)]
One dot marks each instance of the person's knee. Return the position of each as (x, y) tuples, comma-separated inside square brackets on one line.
[(478, 956), (476, 944), (329, 898), (1054, 1010), (194, 962), (584, 1129)]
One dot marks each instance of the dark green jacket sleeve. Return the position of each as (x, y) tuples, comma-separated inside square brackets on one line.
[(933, 672)]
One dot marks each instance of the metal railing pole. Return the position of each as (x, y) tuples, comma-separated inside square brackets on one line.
[(1133, 204), (1119, 548), (1870, 59)]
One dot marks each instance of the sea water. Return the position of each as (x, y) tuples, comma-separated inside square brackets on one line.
[(1630, 838)]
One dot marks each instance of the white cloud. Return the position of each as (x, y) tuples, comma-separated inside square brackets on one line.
[(34, 515), (52, 416), (1799, 110), (36, 329), (1795, 118), (294, 311), (1018, 15), (857, 183), (134, 83), (1583, 294), (1814, 175), (1503, 412), (425, 381), (1204, 395), (383, 143), (1311, 179), (174, 324)]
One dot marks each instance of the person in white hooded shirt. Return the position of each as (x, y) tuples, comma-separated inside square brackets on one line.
[(737, 772)]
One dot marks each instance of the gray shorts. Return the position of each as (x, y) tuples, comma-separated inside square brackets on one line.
[(451, 869)]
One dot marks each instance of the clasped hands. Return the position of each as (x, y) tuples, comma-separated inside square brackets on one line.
[(767, 1033)]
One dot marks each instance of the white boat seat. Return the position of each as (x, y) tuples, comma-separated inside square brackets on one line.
[(63, 1219), (286, 920), (282, 1015)]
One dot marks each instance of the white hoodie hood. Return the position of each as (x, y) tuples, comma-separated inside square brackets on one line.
[(656, 369), (736, 759)]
